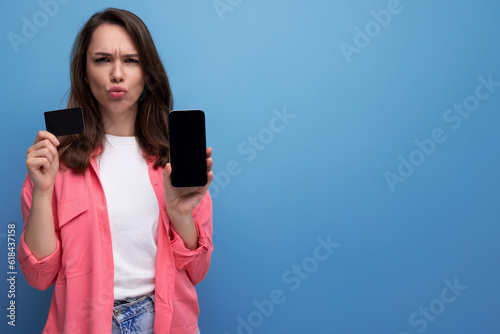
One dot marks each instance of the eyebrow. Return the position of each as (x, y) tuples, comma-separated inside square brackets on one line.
[(130, 55)]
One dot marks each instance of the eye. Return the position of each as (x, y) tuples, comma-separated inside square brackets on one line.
[(102, 60), (132, 60)]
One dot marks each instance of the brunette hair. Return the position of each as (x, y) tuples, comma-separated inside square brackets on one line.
[(151, 124)]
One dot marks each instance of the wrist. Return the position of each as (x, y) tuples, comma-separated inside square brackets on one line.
[(184, 225), (43, 193), (177, 216)]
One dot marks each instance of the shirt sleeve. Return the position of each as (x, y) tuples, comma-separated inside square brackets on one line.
[(39, 273), (197, 261)]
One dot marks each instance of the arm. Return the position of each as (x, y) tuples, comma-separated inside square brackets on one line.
[(181, 202), (190, 213), (196, 262), (39, 250), (42, 162), (40, 235)]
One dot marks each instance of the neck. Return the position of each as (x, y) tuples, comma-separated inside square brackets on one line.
[(122, 124)]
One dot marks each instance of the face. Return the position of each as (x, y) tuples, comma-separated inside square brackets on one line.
[(114, 72)]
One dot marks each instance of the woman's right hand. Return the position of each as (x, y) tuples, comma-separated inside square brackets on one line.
[(42, 162)]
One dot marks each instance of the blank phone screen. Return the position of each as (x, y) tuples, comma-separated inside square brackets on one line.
[(187, 148)]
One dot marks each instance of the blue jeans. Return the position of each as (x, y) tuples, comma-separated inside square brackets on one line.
[(135, 315)]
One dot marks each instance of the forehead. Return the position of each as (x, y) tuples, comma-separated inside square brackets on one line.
[(111, 38)]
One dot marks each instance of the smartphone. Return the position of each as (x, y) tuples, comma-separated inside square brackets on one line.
[(188, 156), (65, 121)]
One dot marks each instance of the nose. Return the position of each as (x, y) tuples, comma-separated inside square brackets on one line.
[(117, 72)]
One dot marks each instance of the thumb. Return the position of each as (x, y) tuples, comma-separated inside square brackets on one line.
[(168, 170)]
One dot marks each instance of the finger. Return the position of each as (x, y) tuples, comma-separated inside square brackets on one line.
[(210, 163), (49, 152), (210, 177), (45, 135), (42, 135), (44, 152), (38, 163), (43, 147), (43, 144), (209, 152), (46, 164), (167, 171)]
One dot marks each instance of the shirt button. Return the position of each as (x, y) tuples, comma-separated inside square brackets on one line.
[(155, 183)]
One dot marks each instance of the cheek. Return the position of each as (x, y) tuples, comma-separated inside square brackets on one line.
[(139, 85), (95, 83), (141, 80), (94, 88)]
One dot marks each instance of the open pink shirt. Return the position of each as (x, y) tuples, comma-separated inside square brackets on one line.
[(82, 264)]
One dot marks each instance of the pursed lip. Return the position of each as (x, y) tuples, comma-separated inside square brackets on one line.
[(117, 89), (117, 92)]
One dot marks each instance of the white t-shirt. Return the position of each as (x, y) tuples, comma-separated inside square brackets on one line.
[(133, 215)]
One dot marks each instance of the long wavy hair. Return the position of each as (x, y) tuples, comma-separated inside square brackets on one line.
[(151, 124)]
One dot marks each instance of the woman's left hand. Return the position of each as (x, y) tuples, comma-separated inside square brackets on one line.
[(181, 201)]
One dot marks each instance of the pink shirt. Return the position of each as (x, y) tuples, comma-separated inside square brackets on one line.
[(82, 264)]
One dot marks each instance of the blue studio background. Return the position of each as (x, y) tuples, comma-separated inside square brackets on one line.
[(355, 147)]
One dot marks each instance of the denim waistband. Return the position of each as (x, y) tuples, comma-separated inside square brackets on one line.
[(133, 306), (133, 299)]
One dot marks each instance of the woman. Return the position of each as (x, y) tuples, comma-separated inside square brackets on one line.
[(101, 218)]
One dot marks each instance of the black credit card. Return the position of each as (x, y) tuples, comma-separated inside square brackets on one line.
[(65, 121)]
